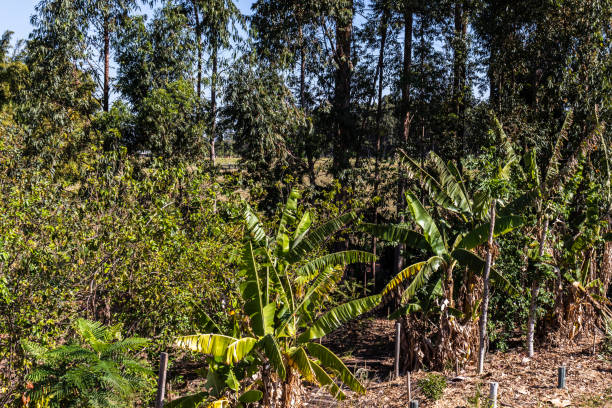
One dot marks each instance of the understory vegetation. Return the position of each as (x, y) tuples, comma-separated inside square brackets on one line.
[(231, 184)]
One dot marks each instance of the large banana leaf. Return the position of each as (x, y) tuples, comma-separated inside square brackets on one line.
[(421, 271), (552, 170), (476, 263), (222, 403), (215, 345), (302, 229), (298, 359), (395, 233), (288, 217), (424, 220), (519, 204), (459, 178), (282, 282), (239, 349), (608, 172), (481, 205), (274, 355), (261, 314), (317, 237), (254, 227), (329, 360), (189, 401), (251, 396), (405, 311), (480, 234), (506, 143), (335, 259), (530, 167), (326, 381), (451, 185), (321, 286), (578, 158), (435, 189), (339, 315)]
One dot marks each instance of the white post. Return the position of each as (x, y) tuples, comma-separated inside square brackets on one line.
[(398, 335), (493, 395)]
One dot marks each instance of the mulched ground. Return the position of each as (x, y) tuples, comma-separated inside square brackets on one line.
[(367, 347)]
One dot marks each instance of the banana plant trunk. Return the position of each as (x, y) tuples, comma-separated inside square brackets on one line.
[(485, 292), (292, 387), (535, 288)]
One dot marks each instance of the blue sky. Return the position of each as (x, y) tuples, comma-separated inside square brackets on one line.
[(15, 15)]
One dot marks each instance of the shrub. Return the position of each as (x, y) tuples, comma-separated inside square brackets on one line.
[(607, 343), (433, 386), (96, 370)]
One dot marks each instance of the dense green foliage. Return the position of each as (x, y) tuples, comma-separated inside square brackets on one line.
[(418, 117), (283, 292), (98, 370), (433, 386)]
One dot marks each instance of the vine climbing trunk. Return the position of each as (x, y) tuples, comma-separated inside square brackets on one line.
[(485, 292)]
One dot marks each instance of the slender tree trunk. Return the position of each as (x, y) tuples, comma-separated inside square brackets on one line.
[(485, 292), (460, 69), (492, 75), (198, 34), (213, 104), (302, 70), (308, 146), (535, 288), (379, 114), (404, 119), (106, 86), (342, 89)]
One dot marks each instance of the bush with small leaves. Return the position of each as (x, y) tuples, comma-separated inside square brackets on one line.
[(433, 386)]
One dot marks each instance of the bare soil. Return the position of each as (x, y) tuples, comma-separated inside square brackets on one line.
[(367, 347)]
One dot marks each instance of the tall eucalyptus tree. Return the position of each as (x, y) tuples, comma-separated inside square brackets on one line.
[(220, 19)]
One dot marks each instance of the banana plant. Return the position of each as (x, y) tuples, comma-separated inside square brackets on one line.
[(436, 273), (544, 194), (282, 292), (446, 252), (449, 188)]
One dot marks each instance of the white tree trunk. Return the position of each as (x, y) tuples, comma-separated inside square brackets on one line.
[(485, 292), (535, 288)]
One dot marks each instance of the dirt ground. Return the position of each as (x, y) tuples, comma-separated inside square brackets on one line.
[(367, 347)]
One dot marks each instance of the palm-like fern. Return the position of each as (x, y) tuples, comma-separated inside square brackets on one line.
[(282, 292), (97, 370)]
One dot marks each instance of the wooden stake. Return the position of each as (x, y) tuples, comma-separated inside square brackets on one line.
[(161, 380), (398, 335)]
